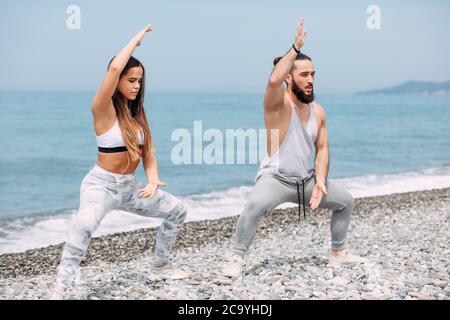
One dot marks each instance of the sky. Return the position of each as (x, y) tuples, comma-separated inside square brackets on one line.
[(222, 46)]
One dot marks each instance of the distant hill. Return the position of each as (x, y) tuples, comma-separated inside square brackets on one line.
[(414, 88)]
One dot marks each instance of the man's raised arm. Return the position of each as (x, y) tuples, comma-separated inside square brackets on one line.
[(274, 95)]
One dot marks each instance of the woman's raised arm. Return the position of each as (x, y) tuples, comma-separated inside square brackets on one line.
[(102, 101)]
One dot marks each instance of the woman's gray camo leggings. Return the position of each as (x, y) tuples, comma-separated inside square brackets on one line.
[(102, 191)]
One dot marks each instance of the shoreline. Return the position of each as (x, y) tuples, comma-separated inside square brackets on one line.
[(46, 227)]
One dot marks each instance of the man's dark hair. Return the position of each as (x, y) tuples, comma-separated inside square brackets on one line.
[(300, 56)]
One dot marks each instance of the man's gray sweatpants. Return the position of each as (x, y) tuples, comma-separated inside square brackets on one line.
[(271, 190)]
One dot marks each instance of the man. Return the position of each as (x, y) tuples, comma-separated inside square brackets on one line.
[(299, 123)]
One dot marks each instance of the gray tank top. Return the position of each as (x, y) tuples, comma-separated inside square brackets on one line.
[(293, 157)]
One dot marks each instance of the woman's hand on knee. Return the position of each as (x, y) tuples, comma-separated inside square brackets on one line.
[(150, 189)]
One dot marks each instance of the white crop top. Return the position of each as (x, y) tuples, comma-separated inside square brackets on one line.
[(113, 137)]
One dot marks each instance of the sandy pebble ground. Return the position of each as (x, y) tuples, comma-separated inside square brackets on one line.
[(406, 236)]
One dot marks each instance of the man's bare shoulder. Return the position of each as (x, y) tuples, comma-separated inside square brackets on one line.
[(319, 111), (319, 107)]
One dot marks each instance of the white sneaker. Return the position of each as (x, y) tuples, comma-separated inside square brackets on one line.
[(233, 269), (346, 258), (168, 272), (60, 292)]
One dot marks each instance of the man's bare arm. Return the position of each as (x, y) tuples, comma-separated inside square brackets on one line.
[(274, 95), (322, 160)]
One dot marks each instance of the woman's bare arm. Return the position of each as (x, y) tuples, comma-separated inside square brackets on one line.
[(102, 102)]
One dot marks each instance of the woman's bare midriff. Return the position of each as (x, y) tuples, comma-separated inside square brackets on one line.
[(117, 162)]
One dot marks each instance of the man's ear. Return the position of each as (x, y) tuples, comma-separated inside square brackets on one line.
[(288, 80)]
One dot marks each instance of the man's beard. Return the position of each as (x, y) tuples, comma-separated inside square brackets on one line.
[(301, 95)]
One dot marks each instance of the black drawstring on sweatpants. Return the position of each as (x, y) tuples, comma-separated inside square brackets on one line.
[(298, 198), (303, 194)]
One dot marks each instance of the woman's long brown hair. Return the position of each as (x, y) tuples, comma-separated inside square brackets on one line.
[(132, 117)]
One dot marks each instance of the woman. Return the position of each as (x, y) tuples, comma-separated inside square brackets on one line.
[(123, 137)]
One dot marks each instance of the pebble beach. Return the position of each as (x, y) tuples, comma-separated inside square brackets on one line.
[(406, 236)]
